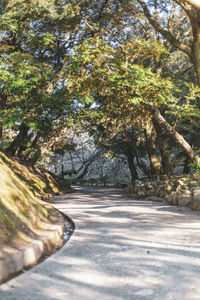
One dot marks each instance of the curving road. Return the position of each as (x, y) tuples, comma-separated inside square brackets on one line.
[(121, 249)]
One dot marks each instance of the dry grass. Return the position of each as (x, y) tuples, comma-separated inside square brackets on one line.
[(21, 210)]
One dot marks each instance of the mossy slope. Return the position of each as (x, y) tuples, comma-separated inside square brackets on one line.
[(21, 211)]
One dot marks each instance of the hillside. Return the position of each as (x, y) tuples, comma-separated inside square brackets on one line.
[(22, 212)]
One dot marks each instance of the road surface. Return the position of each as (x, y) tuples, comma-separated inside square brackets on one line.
[(121, 249)]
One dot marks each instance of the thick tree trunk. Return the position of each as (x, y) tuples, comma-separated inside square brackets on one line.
[(192, 9), (133, 171), (143, 166), (194, 16), (178, 138), (156, 167), (194, 3), (195, 22), (1, 133), (3, 101), (85, 170), (164, 149), (62, 165), (19, 140)]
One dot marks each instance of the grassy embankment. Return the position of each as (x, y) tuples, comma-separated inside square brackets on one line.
[(22, 212)]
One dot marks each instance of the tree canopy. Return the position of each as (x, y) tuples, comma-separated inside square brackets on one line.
[(102, 65)]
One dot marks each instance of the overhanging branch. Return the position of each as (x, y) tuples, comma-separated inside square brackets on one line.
[(166, 34)]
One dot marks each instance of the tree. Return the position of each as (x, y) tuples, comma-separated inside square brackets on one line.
[(120, 82), (34, 40), (191, 47)]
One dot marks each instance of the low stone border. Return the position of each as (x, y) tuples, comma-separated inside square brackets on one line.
[(14, 259), (177, 190)]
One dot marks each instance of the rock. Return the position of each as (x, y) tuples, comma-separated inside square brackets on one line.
[(168, 188), (151, 193), (184, 198), (149, 185), (174, 198), (168, 198), (141, 194), (196, 194), (179, 187), (162, 194), (154, 198), (195, 203), (181, 182), (134, 196), (193, 184)]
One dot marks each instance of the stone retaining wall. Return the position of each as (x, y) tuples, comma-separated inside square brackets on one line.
[(24, 254), (177, 190)]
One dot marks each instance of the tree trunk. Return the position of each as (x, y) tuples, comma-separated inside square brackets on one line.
[(143, 166), (156, 166), (3, 102), (1, 133), (19, 140), (191, 8), (62, 165), (164, 149), (130, 158), (178, 138), (194, 16)]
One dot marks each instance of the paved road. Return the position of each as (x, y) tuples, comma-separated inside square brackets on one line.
[(121, 249)]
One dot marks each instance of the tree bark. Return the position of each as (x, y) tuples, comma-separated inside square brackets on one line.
[(165, 33), (19, 140), (142, 165), (177, 137), (164, 149), (192, 9), (156, 167), (133, 171), (62, 165), (3, 101), (194, 3)]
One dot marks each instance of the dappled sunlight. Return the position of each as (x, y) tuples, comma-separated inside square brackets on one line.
[(119, 250), (23, 217)]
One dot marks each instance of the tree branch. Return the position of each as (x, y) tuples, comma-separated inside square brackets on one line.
[(193, 3), (166, 34)]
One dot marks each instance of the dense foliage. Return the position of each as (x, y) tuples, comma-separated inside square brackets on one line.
[(110, 68)]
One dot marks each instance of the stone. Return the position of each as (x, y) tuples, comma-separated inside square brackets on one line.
[(181, 182), (134, 196), (184, 198), (151, 193), (162, 194), (195, 203), (196, 194), (193, 184), (149, 185), (168, 188), (168, 198), (174, 199), (154, 198), (179, 187), (141, 194)]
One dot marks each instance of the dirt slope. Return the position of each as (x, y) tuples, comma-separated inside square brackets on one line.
[(22, 212)]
